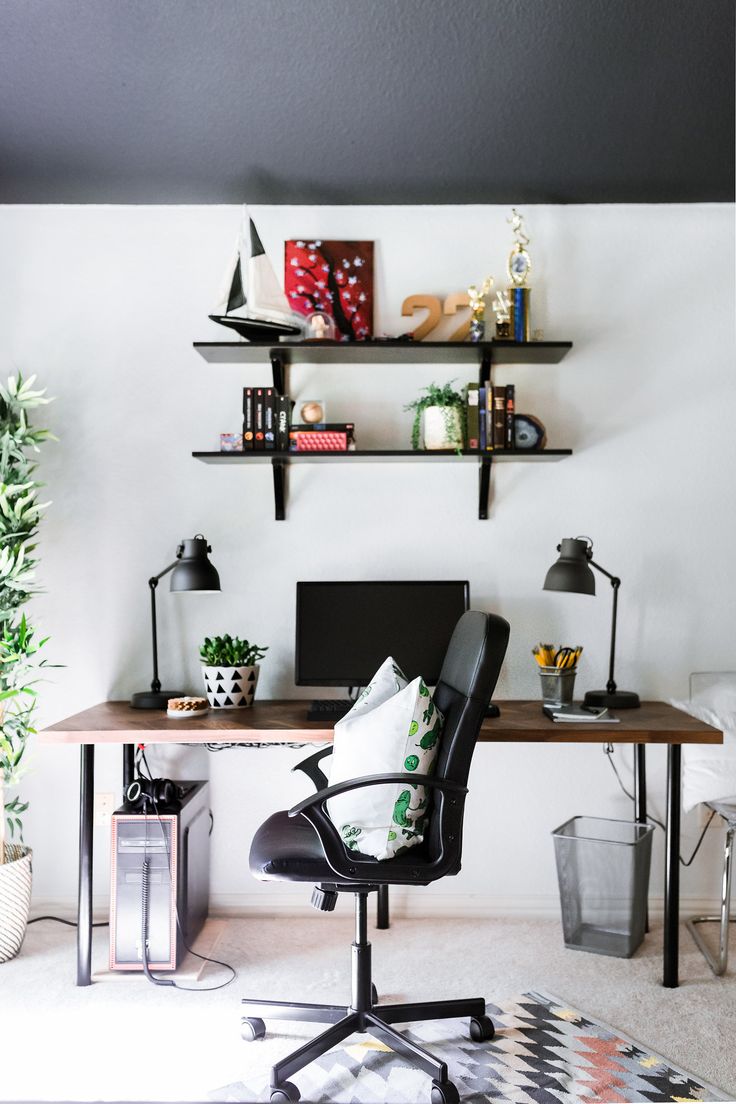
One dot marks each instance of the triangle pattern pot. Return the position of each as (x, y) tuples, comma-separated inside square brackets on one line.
[(230, 687)]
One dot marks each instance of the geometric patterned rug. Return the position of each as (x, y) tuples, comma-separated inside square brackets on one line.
[(544, 1052)]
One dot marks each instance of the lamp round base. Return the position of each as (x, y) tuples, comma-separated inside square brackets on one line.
[(620, 699), (154, 699)]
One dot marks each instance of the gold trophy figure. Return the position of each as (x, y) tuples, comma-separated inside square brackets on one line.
[(477, 298), (519, 267)]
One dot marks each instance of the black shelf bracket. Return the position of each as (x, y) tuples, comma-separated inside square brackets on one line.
[(279, 488), (484, 486), (279, 365)]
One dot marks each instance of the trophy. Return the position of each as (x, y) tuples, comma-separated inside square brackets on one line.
[(519, 267), (477, 298), (502, 311)]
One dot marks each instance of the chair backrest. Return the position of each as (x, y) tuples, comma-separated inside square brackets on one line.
[(467, 680)]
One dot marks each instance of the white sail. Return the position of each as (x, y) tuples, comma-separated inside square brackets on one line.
[(251, 296)]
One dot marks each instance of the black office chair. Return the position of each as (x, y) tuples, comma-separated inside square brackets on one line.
[(303, 845)]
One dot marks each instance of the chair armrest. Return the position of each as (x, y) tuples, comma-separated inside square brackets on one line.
[(443, 784), (345, 862), (309, 767)]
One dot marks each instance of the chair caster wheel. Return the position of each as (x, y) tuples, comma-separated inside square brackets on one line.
[(374, 994), (286, 1093), (481, 1029), (444, 1092), (252, 1028)]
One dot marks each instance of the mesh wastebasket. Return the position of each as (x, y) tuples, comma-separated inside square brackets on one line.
[(603, 871)]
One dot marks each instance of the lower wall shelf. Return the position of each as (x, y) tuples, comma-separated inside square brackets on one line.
[(280, 461)]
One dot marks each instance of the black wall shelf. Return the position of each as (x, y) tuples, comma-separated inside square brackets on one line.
[(284, 354)]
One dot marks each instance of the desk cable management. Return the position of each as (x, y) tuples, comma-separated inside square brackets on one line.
[(608, 751)]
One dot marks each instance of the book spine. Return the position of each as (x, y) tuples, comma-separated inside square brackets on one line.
[(482, 436), (283, 418), (499, 417), (473, 420), (508, 441), (259, 440), (269, 419), (247, 417)]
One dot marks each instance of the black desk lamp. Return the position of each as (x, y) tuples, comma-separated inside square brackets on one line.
[(192, 572), (572, 573)]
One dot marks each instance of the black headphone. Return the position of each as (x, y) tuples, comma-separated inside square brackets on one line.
[(155, 792)]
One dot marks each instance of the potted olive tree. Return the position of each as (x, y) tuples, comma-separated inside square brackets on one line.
[(438, 418), (230, 668), (20, 513)]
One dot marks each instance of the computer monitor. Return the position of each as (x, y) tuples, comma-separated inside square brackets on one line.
[(344, 631)]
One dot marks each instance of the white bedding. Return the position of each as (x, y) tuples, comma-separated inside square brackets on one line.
[(709, 772)]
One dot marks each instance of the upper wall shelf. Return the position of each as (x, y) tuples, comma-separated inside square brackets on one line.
[(485, 355), (384, 352)]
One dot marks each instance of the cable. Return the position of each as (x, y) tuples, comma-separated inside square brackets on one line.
[(145, 903), (250, 744), (69, 923), (608, 752)]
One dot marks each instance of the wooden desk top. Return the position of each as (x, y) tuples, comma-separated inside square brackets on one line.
[(284, 722)]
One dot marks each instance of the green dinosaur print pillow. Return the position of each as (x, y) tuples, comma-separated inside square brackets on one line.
[(398, 734)]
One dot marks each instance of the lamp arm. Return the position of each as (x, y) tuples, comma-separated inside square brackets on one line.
[(615, 583), (152, 584)]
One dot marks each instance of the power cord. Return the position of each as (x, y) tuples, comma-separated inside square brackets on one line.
[(608, 751), (145, 905), (69, 923)]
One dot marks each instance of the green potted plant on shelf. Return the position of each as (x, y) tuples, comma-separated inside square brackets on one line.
[(230, 667), (439, 417), (20, 514)]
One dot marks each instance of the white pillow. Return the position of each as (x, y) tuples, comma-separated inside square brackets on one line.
[(709, 770), (394, 727)]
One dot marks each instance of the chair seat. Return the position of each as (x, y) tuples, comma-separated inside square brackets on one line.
[(288, 848)]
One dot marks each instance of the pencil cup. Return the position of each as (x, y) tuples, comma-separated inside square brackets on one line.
[(557, 685)]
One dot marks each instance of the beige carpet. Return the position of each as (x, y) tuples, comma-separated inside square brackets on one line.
[(131, 1041)]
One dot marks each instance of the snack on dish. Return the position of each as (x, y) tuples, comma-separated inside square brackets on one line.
[(186, 707)]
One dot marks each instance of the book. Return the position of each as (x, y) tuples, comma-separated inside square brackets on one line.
[(283, 420), (259, 441), (269, 425), (578, 714), (508, 437), (482, 425), (472, 415), (247, 417), (499, 417)]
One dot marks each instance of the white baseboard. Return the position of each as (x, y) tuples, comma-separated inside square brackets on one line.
[(409, 903)]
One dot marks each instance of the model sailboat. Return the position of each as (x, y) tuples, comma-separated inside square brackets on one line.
[(252, 302)]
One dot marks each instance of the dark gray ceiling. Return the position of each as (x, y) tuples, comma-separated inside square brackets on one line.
[(366, 101)]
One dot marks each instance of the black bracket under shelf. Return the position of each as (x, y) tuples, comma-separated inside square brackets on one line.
[(484, 486), (279, 468), (279, 365)]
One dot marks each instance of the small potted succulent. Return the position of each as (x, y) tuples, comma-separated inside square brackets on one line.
[(439, 417), (230, 667)]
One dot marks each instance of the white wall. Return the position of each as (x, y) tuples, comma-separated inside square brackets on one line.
[(104, 303)]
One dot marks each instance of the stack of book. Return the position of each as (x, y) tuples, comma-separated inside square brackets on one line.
[(267, 425), (490, 417)]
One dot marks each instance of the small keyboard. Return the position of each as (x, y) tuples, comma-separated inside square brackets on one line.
[(329, 709)]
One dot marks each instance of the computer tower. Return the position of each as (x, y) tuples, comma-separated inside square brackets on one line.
[(176, 843)]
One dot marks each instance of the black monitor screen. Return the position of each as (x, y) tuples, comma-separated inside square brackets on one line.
[(344, 631)]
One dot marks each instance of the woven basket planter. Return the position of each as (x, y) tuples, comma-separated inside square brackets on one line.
[(16, 876)]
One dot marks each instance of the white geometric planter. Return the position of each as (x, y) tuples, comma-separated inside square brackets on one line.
[(16, 876), (442, 428), (230, 687)]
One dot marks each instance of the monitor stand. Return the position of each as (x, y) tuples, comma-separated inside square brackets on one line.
[(329, 710)]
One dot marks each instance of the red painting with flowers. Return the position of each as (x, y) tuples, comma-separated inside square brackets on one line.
[(334, 278)]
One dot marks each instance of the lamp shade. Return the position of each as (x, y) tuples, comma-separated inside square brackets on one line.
[(571, 572), (194, 571)]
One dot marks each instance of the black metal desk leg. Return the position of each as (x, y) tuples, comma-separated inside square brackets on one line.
[(640, 791), (382, 916), (672, 868), (128, 765), (84, 906)]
